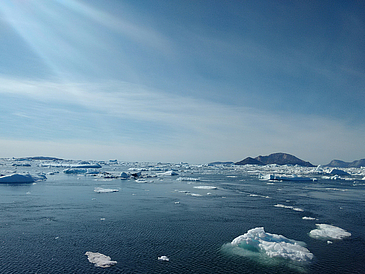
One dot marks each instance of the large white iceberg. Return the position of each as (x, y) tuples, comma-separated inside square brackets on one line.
[(99, 259), (256, 240), (325, 232)]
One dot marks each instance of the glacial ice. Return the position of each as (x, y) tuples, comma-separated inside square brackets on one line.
[(99, 260), (105, 190), (325, 232), (256, 240)]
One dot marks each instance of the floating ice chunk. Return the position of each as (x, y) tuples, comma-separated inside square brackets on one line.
[(290, 207), (195, 195), (74, 171), (99, 259), (18, 178), (308, 218), (187, 179), (105, 190), (324, 231), (163, 258), (168, 173), (256, 240), (124, 175), (206, 187)]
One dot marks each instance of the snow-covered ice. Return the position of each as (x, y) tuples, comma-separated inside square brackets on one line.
[(325, 232), (273, 245), (99, 260)]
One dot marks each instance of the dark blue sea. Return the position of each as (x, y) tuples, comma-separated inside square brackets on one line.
[(47, 226)]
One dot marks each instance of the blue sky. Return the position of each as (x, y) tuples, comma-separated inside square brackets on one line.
[(192, 81)]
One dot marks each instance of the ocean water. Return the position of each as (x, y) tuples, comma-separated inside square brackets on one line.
[(47, 227)]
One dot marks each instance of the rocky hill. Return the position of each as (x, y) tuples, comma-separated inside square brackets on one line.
[(339, 163), (275, 158)]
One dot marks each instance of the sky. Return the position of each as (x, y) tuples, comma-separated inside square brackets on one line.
[(182, 81)]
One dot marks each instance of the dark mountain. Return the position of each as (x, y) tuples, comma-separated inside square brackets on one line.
[(275, 158), (249, 161), (339, 163)]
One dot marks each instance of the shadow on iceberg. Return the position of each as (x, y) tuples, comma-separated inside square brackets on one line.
[(17, 178)]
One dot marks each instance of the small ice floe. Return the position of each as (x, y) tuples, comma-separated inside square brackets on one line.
[(163, 258), (168, 173), (105, 190), (289, 207), (102, 219), (176, 203), (308, 218), (187, 179), (329, 242), (256, 241), (324, 231), (206, 187), (292, 177), (195, 195), (99, 260)]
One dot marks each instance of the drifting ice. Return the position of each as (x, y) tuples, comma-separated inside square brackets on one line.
[(205, 187), (273, 245), (163, 258), (325, 232), (105, 190), (99, 259)]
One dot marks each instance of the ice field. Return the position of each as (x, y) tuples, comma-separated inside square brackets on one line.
[(63, 216)]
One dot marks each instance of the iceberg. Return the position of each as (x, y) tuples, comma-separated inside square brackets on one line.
[(168, 173), (257, 241), (20, 178), (74, 171), (99, 260), (325, 232), (105, 190)]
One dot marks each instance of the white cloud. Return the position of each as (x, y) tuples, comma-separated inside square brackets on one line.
[(193, 130)]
